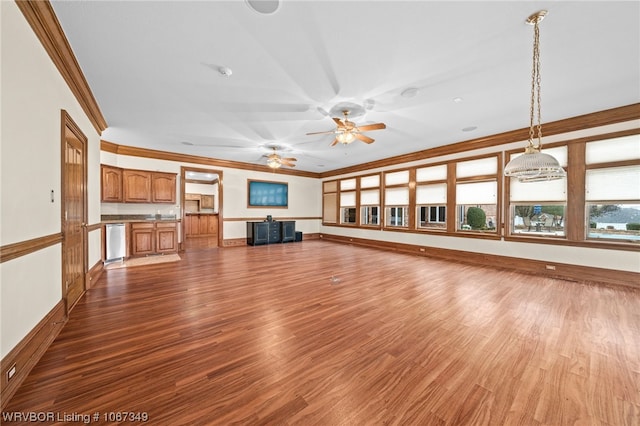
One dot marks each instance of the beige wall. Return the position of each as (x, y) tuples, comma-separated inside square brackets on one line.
[(33, 95)]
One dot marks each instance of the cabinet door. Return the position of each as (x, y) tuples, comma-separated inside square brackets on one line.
[(163, 187), (137, 186), (288, 231), (142, 239), (166, 238), (261, 233), (206, 201), (111, 184), (212, 228)]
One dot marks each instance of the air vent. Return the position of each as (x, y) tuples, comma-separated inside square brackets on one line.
[(264, 7)]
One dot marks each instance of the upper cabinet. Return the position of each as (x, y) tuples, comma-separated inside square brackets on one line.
[(206, 201), (163, 187), (111, 190), (137, 186)]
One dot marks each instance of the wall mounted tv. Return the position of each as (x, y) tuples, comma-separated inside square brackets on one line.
[(267, 194)]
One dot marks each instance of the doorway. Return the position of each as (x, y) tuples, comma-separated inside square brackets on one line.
[(74, 211), (201, 208)]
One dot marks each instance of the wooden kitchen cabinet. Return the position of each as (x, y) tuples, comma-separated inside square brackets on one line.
[(196, 225), (206, 201), (111, 184), (166, 237), (163, 187), (137, 186), (142, 238), (153, 238)]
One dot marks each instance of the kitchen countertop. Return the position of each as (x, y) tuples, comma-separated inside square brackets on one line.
[(201, 213), (122, 218)]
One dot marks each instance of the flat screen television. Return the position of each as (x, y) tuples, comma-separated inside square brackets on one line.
[(267, 194)]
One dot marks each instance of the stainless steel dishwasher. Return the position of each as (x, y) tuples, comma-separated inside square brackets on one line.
[(116, 242)]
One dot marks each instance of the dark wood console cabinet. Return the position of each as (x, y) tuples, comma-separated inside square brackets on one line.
[(270, 232)]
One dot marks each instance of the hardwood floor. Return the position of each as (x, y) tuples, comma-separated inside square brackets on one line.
[(319, 333)]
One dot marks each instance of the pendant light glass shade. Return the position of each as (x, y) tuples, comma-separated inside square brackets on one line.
[(533, 165)]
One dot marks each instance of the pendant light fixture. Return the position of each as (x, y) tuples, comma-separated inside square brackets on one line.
[(533, 165)]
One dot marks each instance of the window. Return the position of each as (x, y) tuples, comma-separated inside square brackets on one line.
[(329, 202), (431, 197), (370, 200), (613, 203), (537, 209), (370, 215), (612, 192), (397, 216), (397, 207), (369, 207), (347, 203), (477, 195)]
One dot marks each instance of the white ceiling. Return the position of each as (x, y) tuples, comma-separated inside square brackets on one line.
[(153, 68)]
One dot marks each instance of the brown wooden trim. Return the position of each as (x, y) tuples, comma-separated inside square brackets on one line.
[(108, 147), (234, 242), (194, 159), (575, 230), (278, 218), (562, 270), (29, 350), (42, 19), (622, 163), (596, 119), (22, 248), (94, 226), (94, 274)]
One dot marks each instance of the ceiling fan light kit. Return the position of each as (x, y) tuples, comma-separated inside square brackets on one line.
[(533, 165), (275, 161), (347, 131)]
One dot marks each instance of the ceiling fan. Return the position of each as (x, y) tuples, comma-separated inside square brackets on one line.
[(275, 161), (347, 131)]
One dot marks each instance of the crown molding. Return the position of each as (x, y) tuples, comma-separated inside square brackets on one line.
[(42, 19), (186, 158)]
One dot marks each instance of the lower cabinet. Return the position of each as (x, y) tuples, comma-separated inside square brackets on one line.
[(270, 232), (200, 224), (153, 238)]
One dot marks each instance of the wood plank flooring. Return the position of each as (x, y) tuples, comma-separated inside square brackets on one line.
[(319, 333)]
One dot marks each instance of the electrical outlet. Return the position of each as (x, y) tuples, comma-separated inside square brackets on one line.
[(422, 249), (551, 267), (11, 372)]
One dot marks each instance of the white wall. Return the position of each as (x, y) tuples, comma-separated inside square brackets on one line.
[(33, 95), (600, 258)]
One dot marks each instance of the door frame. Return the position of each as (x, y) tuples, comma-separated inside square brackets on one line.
[(183, 174), (68, 123)]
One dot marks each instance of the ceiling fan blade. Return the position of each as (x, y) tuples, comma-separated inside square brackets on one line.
[(289, 159), (335, 141), (321, 133), (287, 163), (369, 127), (338, 122), (363, 138)]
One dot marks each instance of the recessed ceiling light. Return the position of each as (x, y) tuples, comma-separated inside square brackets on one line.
[(457, 100), (225, 71), (264, 7), (469, 129), (409, 92)]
